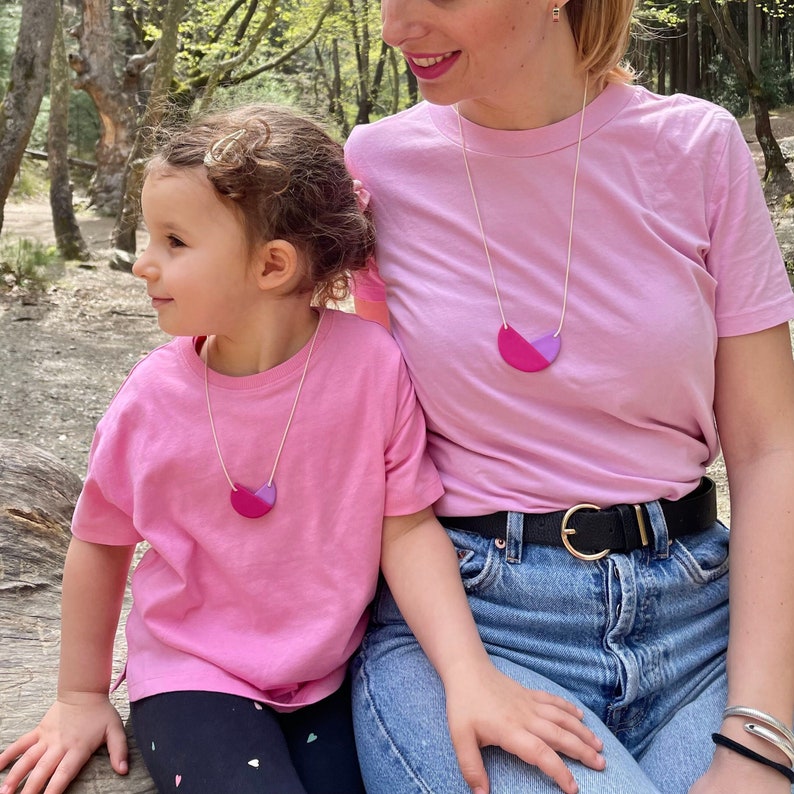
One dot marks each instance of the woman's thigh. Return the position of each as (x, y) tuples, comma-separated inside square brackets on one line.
[(210, 742), (636, 640), (404, 745)]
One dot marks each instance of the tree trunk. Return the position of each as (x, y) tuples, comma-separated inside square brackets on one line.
[(114, 98), (692, 52), (777, 179), (67, 232), (37, 497), (26, 86), (129, 215)]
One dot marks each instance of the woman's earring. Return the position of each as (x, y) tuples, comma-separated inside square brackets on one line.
[(555, 14)]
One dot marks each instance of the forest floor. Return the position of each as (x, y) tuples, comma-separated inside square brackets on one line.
[(65, 351)]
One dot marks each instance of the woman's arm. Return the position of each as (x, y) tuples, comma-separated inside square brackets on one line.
[(82, 717), (754, 407), (373, 310), (484, 707)]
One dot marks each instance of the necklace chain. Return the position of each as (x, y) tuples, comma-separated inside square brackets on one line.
[(570, 224), (289, 420)]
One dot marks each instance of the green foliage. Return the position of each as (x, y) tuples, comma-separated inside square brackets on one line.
[(27, 265), (728, 90), (83, 125), (10, 13)]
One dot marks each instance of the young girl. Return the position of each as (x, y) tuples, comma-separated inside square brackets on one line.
[(257, 454)]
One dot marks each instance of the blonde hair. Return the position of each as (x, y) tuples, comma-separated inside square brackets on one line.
[(601, 30)]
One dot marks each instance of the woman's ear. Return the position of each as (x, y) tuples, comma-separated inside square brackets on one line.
[(276, 264)]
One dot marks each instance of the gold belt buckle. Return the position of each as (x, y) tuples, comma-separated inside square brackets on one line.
[(565, 531)]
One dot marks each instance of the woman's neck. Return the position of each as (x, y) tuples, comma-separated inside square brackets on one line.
[(534, 108)]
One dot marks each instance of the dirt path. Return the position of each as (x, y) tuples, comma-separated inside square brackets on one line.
[(63, 354)]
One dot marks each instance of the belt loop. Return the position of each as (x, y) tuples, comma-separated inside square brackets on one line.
[(660, 542), (515, 537)]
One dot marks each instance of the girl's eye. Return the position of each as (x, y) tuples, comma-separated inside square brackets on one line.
[(175, 242)]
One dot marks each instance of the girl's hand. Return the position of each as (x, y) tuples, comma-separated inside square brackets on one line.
[(76, 725), (486, 707)]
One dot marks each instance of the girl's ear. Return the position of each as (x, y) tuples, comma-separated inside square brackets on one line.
[(276, 264)]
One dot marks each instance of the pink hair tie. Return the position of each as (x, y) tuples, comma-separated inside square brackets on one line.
[(362, 195)]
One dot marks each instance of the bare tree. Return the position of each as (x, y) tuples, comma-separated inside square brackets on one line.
[(127, 220), (67, 232), (113, 87), (25, 90)]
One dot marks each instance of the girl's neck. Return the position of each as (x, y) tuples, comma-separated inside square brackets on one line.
[(282, 331)]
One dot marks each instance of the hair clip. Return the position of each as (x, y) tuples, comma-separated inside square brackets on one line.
[(362, 195), (216, 154)]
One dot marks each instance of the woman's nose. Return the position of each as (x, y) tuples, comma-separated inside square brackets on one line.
[(402, 20)]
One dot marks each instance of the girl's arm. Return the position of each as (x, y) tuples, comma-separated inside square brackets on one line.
[(484, 707), (82, 717), (754, 407)]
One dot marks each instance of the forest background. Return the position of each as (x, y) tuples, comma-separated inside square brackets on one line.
[(88, 82)]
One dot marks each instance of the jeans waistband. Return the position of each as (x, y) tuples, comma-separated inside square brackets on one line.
[(596, 531)]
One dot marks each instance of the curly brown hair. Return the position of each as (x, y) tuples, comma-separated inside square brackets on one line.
[(287, 179)]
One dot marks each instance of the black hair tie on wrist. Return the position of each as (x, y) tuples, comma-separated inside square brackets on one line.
[(718, 738)]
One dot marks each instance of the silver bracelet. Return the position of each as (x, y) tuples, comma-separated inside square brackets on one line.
[(761, 716), (770, 736)]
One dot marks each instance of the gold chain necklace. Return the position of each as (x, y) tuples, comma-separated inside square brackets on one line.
[(248, 503), (517, 351)]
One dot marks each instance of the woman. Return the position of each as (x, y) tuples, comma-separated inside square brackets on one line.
[(584, 281)]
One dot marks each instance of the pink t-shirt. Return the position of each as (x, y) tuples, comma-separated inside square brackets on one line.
[(672, 248), (269, 608)]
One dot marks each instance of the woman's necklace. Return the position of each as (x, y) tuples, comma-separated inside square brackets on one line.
[(515, 349), (248, 503)]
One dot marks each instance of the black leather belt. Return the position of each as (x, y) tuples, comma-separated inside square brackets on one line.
[(598, 532)]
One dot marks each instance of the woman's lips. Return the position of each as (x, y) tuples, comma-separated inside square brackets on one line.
[(431, 66)]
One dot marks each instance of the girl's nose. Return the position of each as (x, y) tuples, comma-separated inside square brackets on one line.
[(144, 265)]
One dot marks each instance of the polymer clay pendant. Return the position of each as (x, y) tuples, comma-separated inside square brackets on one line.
[(527, 356), (252, 504)]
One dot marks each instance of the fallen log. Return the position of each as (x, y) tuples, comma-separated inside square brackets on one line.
[(37, 498)]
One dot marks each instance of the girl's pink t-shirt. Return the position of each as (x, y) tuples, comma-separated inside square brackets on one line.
[(672, 248), (269, 608)]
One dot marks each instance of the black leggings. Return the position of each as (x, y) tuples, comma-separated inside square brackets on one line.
[(212, 743)]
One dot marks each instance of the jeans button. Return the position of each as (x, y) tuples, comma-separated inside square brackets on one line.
[(500, 543)]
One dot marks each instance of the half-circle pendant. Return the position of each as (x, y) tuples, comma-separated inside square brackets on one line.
[(527, 356), (250, 504)]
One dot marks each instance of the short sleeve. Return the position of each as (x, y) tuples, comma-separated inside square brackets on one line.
[(412, 482), (753, 290)]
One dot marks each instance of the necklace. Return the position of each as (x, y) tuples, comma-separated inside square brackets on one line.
[(517, 351), (248, 503)]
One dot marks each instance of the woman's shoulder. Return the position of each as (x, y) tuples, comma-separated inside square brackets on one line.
[(678, 110), (390, 129)]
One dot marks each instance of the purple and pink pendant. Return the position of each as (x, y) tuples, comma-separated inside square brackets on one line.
[(253, 504), (527, 356)]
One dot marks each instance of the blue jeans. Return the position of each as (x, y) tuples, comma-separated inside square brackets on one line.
[(637, 640)]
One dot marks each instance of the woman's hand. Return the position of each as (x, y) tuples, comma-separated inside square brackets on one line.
[(76, 725), (730, 773), (486, 707)]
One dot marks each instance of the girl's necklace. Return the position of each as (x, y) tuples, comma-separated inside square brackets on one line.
[(515, 349), (248, 503)]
